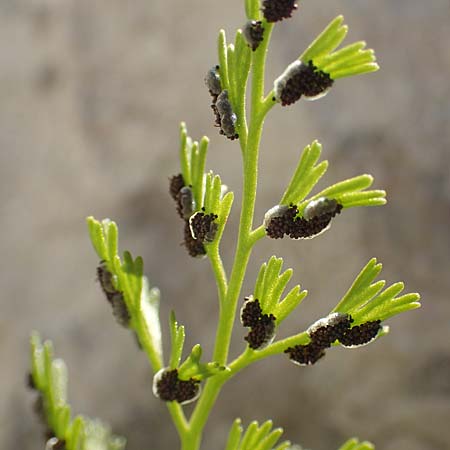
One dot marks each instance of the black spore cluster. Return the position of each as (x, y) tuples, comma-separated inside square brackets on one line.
[(225, 118), (287, 223), (276, 10), (301, 80), (360, 334), (262, 326), (336, 327), (203, 226), (114, 297), (194, 247), (170, 388), (254, 33), (322, 334)]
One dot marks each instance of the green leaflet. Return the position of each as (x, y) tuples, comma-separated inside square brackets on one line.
[(256, 437), (142, 302), (50, 378)]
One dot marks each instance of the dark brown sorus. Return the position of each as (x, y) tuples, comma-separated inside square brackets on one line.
[(360, 334), (276, 10), (251, 312), (262, 332), (175, 184), (254, 33), (203, 226), (298, 227), (305, 355), (171, 388), (194, 247), (307, 80)]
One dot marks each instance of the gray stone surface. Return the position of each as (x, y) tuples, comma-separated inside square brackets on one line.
[(91, 94)]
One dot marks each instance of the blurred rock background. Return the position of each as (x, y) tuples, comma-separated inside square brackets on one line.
[(91, 94)]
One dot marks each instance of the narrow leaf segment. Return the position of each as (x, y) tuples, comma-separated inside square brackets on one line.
[(349, 193), (142, 302), (367, 301), (255, 437), (269, 287), (355, 444), (49, 378), (352, 59)]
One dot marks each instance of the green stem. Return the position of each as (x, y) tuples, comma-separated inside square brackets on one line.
[(192, 438), (250, 356), (250, 174), (178, 417), (257, 234)]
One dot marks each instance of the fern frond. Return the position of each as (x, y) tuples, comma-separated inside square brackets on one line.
[(50, 379)]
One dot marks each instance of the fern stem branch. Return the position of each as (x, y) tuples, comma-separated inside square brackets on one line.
[(250, 151)]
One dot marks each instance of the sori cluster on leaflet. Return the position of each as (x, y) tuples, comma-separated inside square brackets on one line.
[(313, 73), (225, 116), (354, 322), (115, 298), (180, 381), (300, 217), (201, 200), (310, 76), (123, 279)]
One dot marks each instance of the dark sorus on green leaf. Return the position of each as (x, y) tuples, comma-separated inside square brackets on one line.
[(176, 183), (262, 332), (299, 80), (182, 195), (203, 226), (30, 381), (251, 312), (105, 278), (194, 247), (284, 221), (184, 199), (329, 329), (361, 334), (304, 229), (262, 326), (216, 114), (254, 33), (114, 297), (225, 116), (213, 83), (305, 355), (185, 202), (322, 333), (120, 310), (276, 10), (168, 387), (278, 220)]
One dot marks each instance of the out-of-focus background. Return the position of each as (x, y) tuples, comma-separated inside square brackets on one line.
[(91, 95)]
